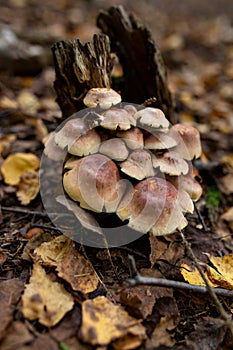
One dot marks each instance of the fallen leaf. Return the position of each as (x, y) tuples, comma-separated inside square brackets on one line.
[(228, 217), (131, 340), (223, 277), (5, 142), (28, 102), (104, 322), (18, 164), (162, 336), (10, 291), (70, 264), (28, 187), (16, 337), (192, 276), (45, 300)]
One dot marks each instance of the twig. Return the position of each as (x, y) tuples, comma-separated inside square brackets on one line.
[(200, 217), (23, 211), (137, 279), (211, 291)]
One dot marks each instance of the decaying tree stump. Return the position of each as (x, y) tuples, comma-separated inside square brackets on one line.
[(80, 67), (144, 71)]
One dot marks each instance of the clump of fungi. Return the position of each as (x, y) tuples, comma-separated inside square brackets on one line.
[(128, 161)]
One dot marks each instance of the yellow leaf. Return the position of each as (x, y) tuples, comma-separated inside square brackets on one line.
[(28, 188), (70, 264), (193, 276), (104, 322), (18, 164), (223, 277), (44, 299)]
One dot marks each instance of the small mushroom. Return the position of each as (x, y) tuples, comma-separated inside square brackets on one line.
[(152, 206), (188, 183), (138, 165), (133, 138), (114, 149), (152, 117), (70, 132), (170, 163), (159, 141), (85, 218), (52, 150), (103, 97), (94, 183), (188, 141), (115, 118), (130, 109), (86, 144)]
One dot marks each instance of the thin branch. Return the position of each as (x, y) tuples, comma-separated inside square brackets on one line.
[(138, 279), (23, 211), (211, 291), (200, 217)]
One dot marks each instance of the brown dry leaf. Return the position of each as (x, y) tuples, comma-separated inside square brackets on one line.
[(162, 336), (54, 251), (18, 164), (28, 188), (5, 142), (193, 276), (228, 217), (45, 300), (104, 322), (131, 340), (225, 184), (17, 337), (223, 277), (70, 264), (28, 102)]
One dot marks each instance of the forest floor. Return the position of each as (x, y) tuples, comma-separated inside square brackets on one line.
[(196, 41)]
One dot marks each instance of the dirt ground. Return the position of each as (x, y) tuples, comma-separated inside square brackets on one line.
[(196, 41)]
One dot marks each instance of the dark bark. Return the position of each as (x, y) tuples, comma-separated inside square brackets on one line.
[(78, 68), (144, 71)]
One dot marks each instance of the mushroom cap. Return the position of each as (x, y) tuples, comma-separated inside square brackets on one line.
[(104, 97), (152, 206), (131, 109), (114, 149), (115, 118), (138, 165), (133, 138), (52, 150), (170, 163), (94, 182), (188, 141), (152, 117), (86, 144), (188, 183), (70, 132), (86, 219), (159, 141)]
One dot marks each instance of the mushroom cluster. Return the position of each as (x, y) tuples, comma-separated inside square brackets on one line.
[(127, 160)]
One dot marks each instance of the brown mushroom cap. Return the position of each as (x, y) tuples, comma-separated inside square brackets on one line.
[(114, 149), (188, 141), (85, 218), (133, 138), (52, 150), (138, 165), (170, 163), (152, 206), (103, 97), (115, 118), (70, 132), (152, 117), (94, 182), (86, 144), (159, 140), (188, 183)]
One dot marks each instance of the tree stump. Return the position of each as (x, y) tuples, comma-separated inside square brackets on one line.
[(80, 67)]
